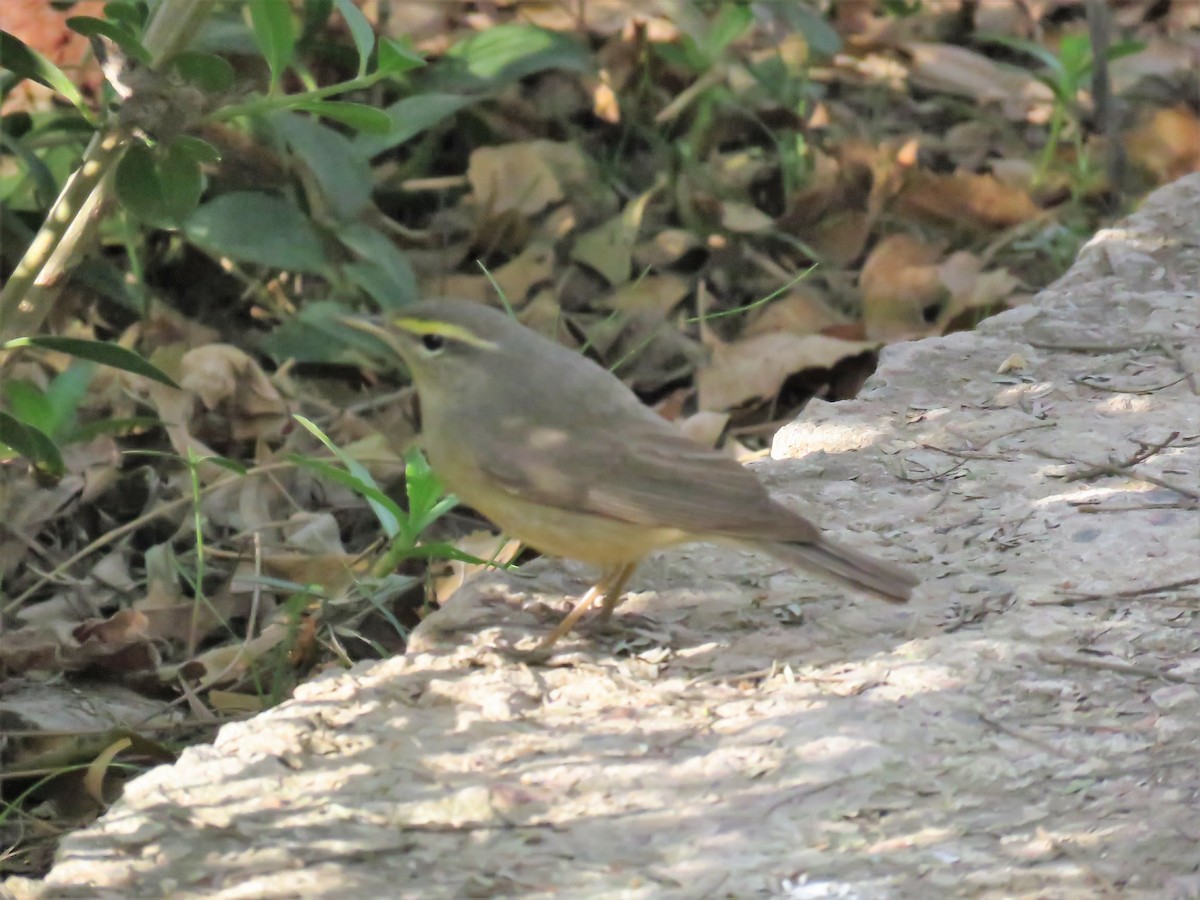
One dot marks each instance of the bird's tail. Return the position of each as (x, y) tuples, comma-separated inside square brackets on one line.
[(843, 564)]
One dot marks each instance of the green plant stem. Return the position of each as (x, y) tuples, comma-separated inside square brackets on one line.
[(261, 105), (1057, 120), (30, 293)]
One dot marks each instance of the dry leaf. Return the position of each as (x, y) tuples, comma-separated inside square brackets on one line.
[(526, 177), (518, 277), (605, 104), (840, 238), (972, 289), (743, 218), (801, 311), (704, 427), (657, 294), (227, 663), (225, 378), (1167, 145), (332, 571), (755, 368), (486, 545), (965, 198), (899, 281), (957, 70), (608, 248), (665, 248)]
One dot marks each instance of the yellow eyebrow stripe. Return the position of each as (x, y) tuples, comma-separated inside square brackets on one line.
[(444, 329)]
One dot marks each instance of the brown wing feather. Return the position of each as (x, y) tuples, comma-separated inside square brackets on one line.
[(652, 476)]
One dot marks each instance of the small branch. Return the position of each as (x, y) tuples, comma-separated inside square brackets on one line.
[(1110, 665), (1072, 599), (1086, 381), (1021, 735)]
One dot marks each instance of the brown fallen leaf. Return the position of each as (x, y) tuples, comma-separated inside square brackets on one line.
[(899, 281), (965, 198), (227, 663), (967, 73), (525, 177), (666, 248), (755, 368), (839, 238), (973, 293), (608, 248), (1167, 144), (803, 310), (656, 294), (744, 218), (485, 545)]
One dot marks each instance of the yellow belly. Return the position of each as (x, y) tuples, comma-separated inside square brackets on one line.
[(575, 535), (547, 529)]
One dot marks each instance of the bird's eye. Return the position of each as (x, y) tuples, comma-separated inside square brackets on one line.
[(433, 342)]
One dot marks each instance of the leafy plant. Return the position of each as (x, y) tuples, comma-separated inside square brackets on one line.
[(1066, 74), (38, 422)]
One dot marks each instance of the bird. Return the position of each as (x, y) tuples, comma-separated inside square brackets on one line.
[(559, 453)]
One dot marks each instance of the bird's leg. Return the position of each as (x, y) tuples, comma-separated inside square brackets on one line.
[(613, 587), (542, 650), (610, 585)]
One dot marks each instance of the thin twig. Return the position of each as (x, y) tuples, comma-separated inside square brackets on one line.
[(1087, 382), (1110, 665), (1022, 735), (1130, 594)]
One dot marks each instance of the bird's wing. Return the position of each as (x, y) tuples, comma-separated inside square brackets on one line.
[(646, 475)]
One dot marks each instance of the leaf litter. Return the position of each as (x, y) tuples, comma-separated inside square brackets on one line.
[(911, 237)]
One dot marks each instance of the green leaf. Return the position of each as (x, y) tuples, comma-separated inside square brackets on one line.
[(200, 151), (97, 351), (358, 479), (360, 31), (378, 284), (730, 24), (1075, 51), (116, 32), (28, 63), (206, 71), (138, 185), (182, 182), (275, 32), (65, 393), (1021, 45), (29, 404), (44, 186), (818, 33), (396, 57), (16, 124), (358, 116), (160, 187), (383, 271), (1124, 48), (30, 443), (507, 53), (440, 550), (343, 175), (257, 228), (317, 334), (114, 426), (409, 117), (315, 14), (427, 500), (132, 15), (229, 465)]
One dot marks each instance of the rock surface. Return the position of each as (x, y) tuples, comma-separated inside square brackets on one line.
[(1027, 727)]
